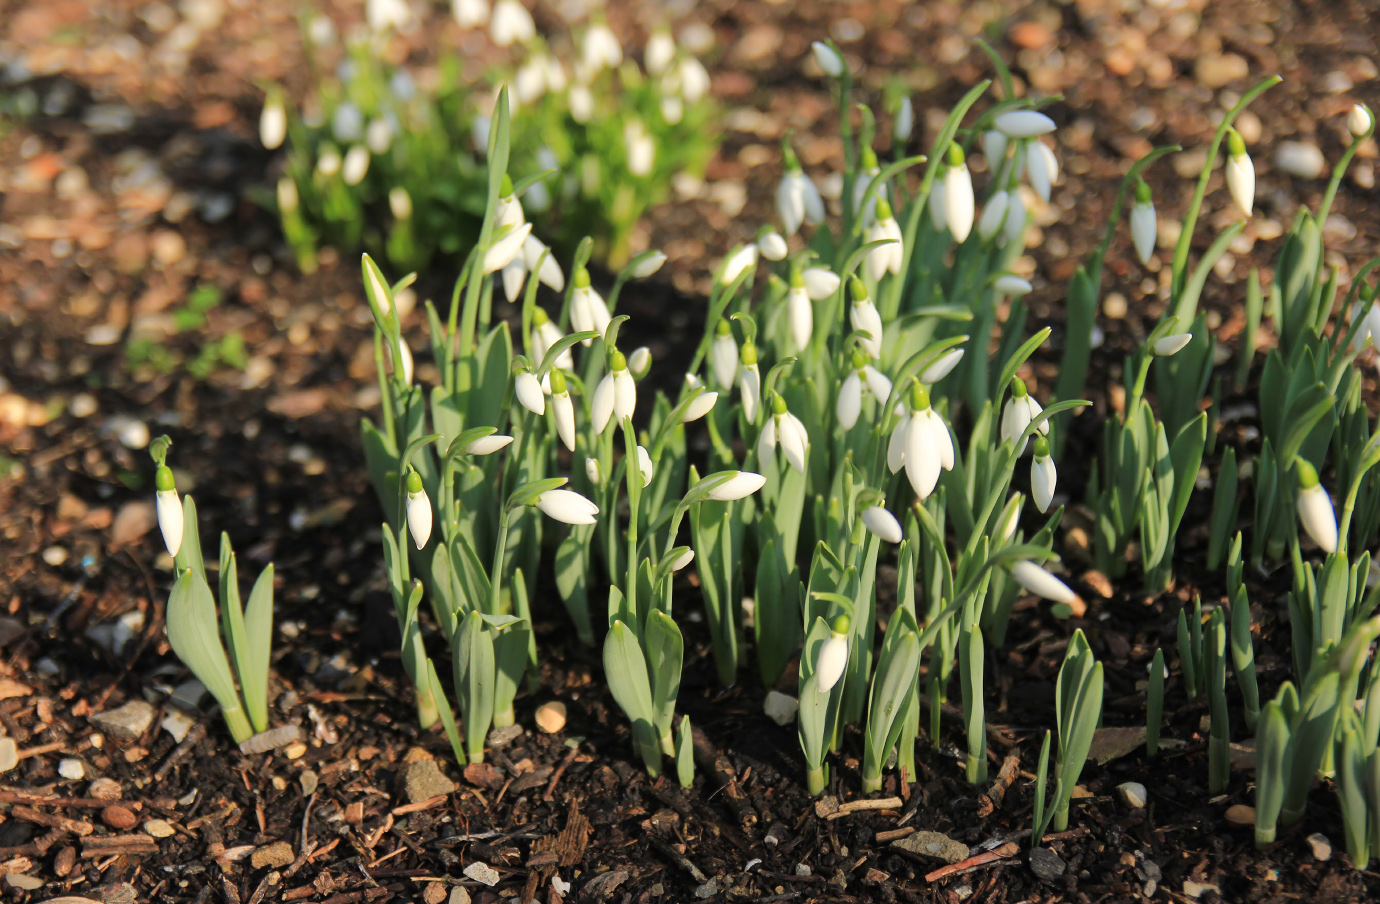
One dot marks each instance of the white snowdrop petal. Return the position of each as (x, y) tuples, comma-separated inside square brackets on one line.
[(1241, 181), (849, 403), (1010, 284), (793, 440), (1317, 517), (884, 524), (801, 316), (1023, 123), (419, 517), (833, 658), (1143, 230), (723, 361), (527, 388), (741, 484), (564, 410), (624, 394), (170, 520), (702, 405), (1172, 344), (601, 406), (941, 368), (1040, 582), (1043, 478), (820, 283), (644, 465), (896, 446), (958, 201), (568, 506), (993, 214), (488, 445)]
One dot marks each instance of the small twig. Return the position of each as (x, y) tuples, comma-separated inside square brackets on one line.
[(194, 734), (51, 821), (1010, 768), (560, 771), (678, 859), (427, 804), (42, 749), (1002, 855), (853, 806), (893, 834)]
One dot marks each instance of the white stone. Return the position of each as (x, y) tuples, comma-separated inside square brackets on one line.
[(71, 769), (780, 708), (1132, 794)]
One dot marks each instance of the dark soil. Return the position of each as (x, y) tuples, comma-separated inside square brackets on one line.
[(273, 458)]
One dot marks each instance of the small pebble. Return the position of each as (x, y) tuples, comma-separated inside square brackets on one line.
[(1299, 158), (1046, 864), (158, 828), (54, 555), (309, 782), (295, 751), (9, 754), (483, 873), (1132, 794), (780, 708), (71, 769), (121, 818), (550, 716), (1241, 816), (83, 404), (1198, 889), (27, 883), (177, 724), (104, 789), (1322, 848)]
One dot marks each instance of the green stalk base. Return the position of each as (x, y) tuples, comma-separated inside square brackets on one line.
[(815, 780), (1060, 820), (505, 718), (238, 724), (1264, 837), (871, 784), (427, 714), (977, 769)]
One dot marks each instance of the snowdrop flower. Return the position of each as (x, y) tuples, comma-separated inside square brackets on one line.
[(641, 148), (1020, 410), (833, 656), (1011, 284), (865, 205), (511, 23), (994, 149), (404, 361), (567, 505), (616, 395), (887, 258), (418, 510), (863, 379), (530, 81), (694, 79), (644, 465), (702, 404), (581, 101), (659, 53), (547, 334), (1171, 345), (587, 309), (1010, 518), (1043, 167), (1315, 508), (672, 109), (929, 448), (905, 121), (820, 282), (1359, 121), (1143, 223), (941, 368), (828, 59), (1014, 225), (882, 523), (508, 211), (347, 123), (1240, 173), (993, 215), (379, 136), (797, 198), (682, 560), (549, 272), (749, 381), (771, 245), (958, 195), (287, 195), (741, 484), (273, 122), (169, 508), (488, 445), (563, 409), (400, 203), (469, 13), (723, 356), (384, 14), (862, 314), (527, 389), (1023, 124), (800, 311), (600, 49), (328, 164), (593, 471), (649, 265), (640, 361), (1040, 582), (505, 245), (935, 205), (742, 258), (1043, 475), (1370, 327), (786, 430), (896, 446), (356, 165)]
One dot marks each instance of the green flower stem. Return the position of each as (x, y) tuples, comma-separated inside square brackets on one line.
[(496, 570), (1338, 171), (1126, 182), (631, 474)]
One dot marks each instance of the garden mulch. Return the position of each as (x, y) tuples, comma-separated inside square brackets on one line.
[(136, 185)]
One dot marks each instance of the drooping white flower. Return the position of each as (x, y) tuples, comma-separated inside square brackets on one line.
[(741, 484), (418, 510), (287, 195), (1171, 345), (545, 336), (529, 84), (616, 395), (469, 13), (1023, 123), (1040, 582), (929, 447), (1043, 167), (797, 198), (400, 203), (356, 165), (935, 206), (941, 368), (739, 260), (863, 316), (644, 465), (749, 381), (567, 506), (800, 312), (1240, 173), (600, 48), (896, 446), (649, 265), (1011, 284), (1020, 410), (379, 136), (772, 246), (886, 258), (784, 429), (958, 195), (385, 14), (863, 379), (273, 122), (1315, 508), (1369, 330), (833, 656), (1144, 226), (659, 53), (593, 471), (505, 246), (828, 58), (694, 79), (641, 148), (684, 559), (994, 149), (640, 361), (488, 445), (169, 507), (587, 309), (549, 271), (563, 408), (993, 215), (905, 121), (1014, 226), (581, 102), (865, 203), (1043, 475), (403, 361), (1359, 121), (527, 388), (1010, 518), (511, 23), (820, 282), (328, 164), (723, 357), (882, 523)]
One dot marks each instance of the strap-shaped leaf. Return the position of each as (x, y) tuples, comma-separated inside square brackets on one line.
[(189, 553), (472, 652), (665, 652), (192, 633), (438, 694), (252, 665)]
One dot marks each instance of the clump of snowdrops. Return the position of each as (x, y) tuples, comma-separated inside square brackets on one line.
[(390, 158)]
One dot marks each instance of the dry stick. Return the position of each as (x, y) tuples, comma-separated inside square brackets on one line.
[(708, 758), (1003, 854), (1010, 768), (853, 806), (560, 771), (11, 796), (41, 749), (678, 859), (194, 734), (51, 821), (427, 804)]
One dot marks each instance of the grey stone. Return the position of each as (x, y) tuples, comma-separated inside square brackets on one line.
[(127, 723), (1046, 864), (931, 846), (424, 780)]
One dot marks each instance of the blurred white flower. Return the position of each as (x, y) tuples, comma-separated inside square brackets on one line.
[(958, 195), (1042, 166), (1240, 173), (567, 506), (469, 13), (828, 59), (1359, 120), (600, 48), (385, 14), (511, 23), (882, 523), (659, 53), (797, 199), (356, 165), (641, 148), (273, 122), (1023, 123)]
